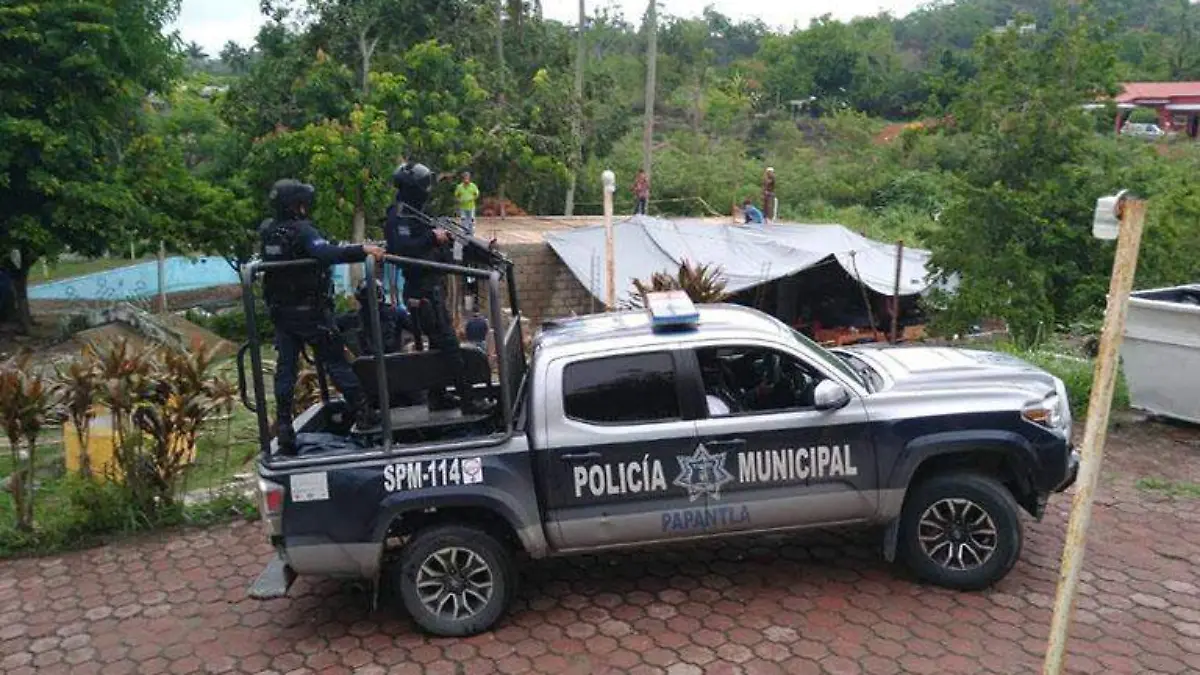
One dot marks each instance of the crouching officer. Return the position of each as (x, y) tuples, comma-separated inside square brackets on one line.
[(393, 321), (415, 236), (300, 300)]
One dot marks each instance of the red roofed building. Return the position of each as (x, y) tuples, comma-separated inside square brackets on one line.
[(1177, 104)]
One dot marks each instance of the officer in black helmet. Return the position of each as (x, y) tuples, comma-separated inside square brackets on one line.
[(412, 234), (300, 300), (393, 321)]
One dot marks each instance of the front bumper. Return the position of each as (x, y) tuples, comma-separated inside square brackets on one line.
[(1072, 471)]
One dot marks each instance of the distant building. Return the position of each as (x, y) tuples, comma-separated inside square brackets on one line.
[(1022, 29), (1176, 103)]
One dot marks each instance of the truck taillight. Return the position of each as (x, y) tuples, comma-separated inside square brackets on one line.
[(272, 497), (271, 500)]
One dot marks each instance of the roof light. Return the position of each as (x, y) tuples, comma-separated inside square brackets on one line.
[(671, 309)]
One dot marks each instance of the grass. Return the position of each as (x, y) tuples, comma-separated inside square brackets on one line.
[(66, 269), (1170, 488)]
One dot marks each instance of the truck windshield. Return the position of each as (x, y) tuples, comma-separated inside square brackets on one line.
[(829, 359)]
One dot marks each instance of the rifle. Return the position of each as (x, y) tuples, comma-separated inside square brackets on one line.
[(474, 249)]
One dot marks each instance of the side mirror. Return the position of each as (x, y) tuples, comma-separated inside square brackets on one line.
[(830, 395)]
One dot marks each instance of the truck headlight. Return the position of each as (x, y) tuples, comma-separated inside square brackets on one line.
[(1052, 412)]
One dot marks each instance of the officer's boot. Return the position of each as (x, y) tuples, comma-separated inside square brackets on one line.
[(366, 417), (472, 403), (285, 435), (440, 399)]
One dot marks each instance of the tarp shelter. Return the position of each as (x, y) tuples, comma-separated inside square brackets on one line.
[(748, 256)]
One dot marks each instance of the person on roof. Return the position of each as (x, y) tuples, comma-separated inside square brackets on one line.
[(751, 213)]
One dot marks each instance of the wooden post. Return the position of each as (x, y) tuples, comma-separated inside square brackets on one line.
[(1095, 431), (896, 292), (610, 283), (162, 277)]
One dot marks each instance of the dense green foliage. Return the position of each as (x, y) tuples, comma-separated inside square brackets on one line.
[(115, 134)]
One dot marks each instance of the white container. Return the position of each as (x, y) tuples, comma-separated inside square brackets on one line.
[(1161, 352)]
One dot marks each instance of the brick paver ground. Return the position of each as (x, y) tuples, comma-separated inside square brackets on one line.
[(812, 603)]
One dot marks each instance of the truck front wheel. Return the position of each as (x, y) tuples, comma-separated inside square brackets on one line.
[(961, 531), (455, 580)]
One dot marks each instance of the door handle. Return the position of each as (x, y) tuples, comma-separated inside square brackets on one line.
[(731, 443), (580, 456)]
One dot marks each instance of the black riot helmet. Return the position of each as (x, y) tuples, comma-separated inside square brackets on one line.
[(289, 195), (414, 183), (364, 287)]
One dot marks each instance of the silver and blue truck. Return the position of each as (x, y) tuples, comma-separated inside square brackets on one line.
[(619, 430)]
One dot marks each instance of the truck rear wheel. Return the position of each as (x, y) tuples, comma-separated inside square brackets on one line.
[(455, 580), (961, 531)]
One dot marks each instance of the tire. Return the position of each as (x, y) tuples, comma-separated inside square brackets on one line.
[(954, 557), (467, 551)]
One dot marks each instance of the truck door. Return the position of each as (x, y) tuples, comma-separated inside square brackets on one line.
[(616, 469), (792, 464)]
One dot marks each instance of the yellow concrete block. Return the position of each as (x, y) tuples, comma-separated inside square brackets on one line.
[(101, 442)]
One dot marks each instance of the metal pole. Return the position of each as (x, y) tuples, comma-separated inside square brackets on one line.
[(610, 282), (162, 277), (896, 291), (1095, 430), (381, 378), (260, 395)]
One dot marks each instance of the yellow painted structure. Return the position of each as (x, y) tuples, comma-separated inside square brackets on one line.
[(101, 442)]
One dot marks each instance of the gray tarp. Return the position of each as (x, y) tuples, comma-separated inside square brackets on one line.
[(748, 256)]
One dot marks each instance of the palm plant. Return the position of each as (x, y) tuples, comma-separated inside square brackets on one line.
[(26, 404), (77, 392), (702, 283)]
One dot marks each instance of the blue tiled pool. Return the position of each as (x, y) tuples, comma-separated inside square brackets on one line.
[(141, 280)]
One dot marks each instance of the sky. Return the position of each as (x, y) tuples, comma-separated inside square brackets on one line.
[(214, 22)]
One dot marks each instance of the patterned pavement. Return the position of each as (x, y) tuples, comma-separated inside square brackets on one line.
[(808, 603)]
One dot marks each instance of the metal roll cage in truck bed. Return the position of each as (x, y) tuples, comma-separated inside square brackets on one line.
[(508, 346)]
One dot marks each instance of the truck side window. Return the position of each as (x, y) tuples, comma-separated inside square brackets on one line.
[(636, 388), (741, 380)]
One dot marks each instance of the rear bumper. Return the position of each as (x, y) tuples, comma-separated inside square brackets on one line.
[(274, 581)]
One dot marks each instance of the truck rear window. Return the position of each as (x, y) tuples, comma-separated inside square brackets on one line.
[(637, 388)]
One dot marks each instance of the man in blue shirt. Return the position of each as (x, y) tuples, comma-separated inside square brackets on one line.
[(752, 214)]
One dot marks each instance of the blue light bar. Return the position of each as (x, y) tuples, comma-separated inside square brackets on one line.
[(671, 309)]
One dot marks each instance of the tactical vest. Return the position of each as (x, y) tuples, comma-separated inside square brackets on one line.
[(307, 285)]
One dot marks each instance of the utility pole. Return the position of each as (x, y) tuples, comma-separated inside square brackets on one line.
[(1132, 216), (610, 283), (651, 68), (896, 291), (577, 115)]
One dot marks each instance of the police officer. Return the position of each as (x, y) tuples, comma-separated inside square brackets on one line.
[(393, 321), (413, 235), (300, 300)]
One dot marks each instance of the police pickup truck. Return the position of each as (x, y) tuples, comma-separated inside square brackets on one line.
[(673, 424)]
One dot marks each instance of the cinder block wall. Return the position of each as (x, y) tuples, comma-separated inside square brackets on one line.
[(546, 287)]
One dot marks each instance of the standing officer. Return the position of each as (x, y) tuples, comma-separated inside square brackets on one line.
[(300, 300), (415, 236)]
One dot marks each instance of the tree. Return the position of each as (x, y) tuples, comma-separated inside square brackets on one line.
[(235, 57), (1016, 232), (195, 52), (74, 75)]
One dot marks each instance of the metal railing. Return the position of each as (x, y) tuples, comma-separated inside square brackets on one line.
[(510, 366)]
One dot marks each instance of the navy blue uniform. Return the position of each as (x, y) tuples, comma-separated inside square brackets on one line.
[(301, 305), (410, 234)]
